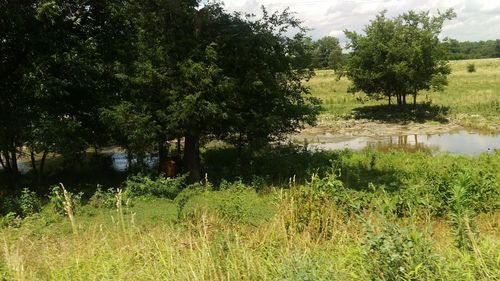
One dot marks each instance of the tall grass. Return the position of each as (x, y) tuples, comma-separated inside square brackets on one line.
[(327, 227)]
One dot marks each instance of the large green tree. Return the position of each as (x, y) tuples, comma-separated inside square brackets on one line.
[(399, 57), (203, 73), (58, 60)]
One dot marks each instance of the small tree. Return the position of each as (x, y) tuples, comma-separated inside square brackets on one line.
[(399, 57)]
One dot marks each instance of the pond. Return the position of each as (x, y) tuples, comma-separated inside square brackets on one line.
[(460, 142), (120, 161)]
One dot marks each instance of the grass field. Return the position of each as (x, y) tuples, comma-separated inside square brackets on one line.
[(345, 216), (280, 213), (472, 99)]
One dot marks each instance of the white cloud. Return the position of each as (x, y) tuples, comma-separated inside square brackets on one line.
[(477, 19)]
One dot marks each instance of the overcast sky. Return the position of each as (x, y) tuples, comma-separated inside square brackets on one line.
[(476, 20)]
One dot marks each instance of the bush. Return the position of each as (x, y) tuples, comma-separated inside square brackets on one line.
[(10, 220), (56, 198), (8, 204), (312, 207), (233, 206), (29, 202), (103, 199), (399, 253), (159, 187), (471, 67)]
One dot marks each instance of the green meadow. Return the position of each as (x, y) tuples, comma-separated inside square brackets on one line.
[(282, 213), (472, 99), (288, 214)]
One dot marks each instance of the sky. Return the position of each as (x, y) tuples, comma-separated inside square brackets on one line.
[(476, 20)]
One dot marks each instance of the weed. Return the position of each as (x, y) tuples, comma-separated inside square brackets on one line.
[(160, 187), (29, 202), (399, 253)]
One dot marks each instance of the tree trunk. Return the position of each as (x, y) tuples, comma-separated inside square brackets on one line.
[(13, 164), (389, 100), (404, 99), (192, 157), (162, 156), (33, 163), (1, 162), (178, 147), (415, 99), (7, 162), (42, 167)]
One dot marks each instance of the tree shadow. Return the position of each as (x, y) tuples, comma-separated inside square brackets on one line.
[(277, 166), (419, 113)]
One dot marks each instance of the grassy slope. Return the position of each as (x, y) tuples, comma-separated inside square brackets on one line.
[(473, 98)]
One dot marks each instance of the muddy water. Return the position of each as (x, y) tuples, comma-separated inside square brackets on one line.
[(460, 142)]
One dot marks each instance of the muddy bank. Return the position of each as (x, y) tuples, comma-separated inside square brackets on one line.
[(370, 128)]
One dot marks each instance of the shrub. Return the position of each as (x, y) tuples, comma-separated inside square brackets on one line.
[(29, 202), (462, 216), (233, 205), (10, 220), (160, 187), (399, 253), (103, 199), (471, 67), (8, 204), (57, 200), (313, 206)]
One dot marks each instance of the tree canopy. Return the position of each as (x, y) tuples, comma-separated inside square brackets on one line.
[(398, 57), (77, 74), (327, 53)]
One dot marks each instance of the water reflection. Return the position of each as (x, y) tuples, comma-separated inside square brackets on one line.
[(121, 163), (467, 143), (463, 142)]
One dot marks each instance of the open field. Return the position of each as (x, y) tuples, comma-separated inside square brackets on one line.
[(471, 100), (344, 216), (283, 213)]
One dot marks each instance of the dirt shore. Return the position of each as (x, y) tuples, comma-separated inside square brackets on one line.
[(370, 128)]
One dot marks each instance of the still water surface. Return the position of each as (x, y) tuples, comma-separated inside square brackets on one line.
[(462, 142)]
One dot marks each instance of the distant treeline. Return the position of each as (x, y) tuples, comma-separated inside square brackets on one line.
[(327, 52), (474, 50)]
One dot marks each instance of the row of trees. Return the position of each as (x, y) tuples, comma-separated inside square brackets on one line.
[(473, 50), (327, 53), (86, 73)]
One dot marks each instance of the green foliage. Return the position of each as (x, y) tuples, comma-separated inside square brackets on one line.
[(462, 214), (398, 57), (10, 220), (29, 202), (183, 197), (471, 67), (327, 53), (310, 206), (233, 205), (103, 199), (399, 253), (57, 200), (473, 50), (160, 187)]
